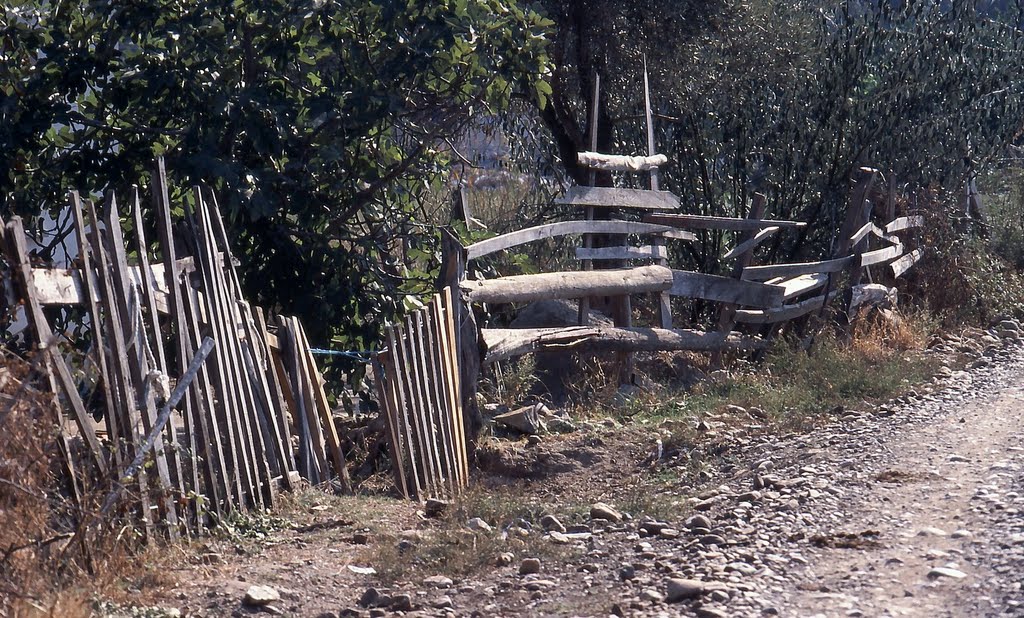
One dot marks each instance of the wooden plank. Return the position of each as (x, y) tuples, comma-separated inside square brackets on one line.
[(801, 285), (243, 372), (323, 407), (187, 484), (903, 264), (904, 223), (880, 256), (588, 239), (446, 387), (410, 383), (426, 345), (387, 409), (224, 369), (703, 222), (452, 365), (311, 448), (571, 284), (644, 252), (118, 357), (20, 262), (726, 290), (763, 273), (130, 308), (64, 286), (399, 384), (503, 343), (620, 163), (562, 228), (861, 233), (751, 243), (787, 312), (617, 197), (92, 300), (433, 321), (418, 382), (268, 345)]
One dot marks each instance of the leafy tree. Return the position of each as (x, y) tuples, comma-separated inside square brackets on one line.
[(322, 124)]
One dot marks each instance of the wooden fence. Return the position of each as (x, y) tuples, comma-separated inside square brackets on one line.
[(231, 445), (418, 386)]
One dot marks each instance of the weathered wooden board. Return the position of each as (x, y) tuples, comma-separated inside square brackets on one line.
[(63, 286), (571, 284), (862, 232), (562, 228), (881, 256), (726, 289), (502, 343), (613, 197), (702, 222), (904, 223), (802, 284), (620, 163), (751, 243), (645, 252), (788, 312), (763, 273), (903, 264)]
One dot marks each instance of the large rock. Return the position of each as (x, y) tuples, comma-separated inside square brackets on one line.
[(600, 510), (258, 596), (524, 419), (683, 589)]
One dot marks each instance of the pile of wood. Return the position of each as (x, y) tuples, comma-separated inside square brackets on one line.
[(252, 419)]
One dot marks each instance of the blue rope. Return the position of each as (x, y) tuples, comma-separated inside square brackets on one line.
[(361, 355)]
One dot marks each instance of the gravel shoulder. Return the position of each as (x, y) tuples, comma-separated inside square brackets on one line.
[(910, 509)]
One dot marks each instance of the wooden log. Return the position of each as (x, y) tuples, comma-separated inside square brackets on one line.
[(613, 197), (750, 244), (903, 264), (503, 343), (562, 228), (763, 273), (880, 256), (904, 223), (644, 252), (787, 312), (620, 163), (572, 284), (800, 285), (702, 222), (726, 290)]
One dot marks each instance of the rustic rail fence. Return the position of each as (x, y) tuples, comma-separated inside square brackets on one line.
[(254, 417)]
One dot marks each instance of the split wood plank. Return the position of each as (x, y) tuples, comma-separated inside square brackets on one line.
[(397, 380), (330, 430), (267, 344), (452, 349), (787, 312), (93, 300), (561, 228), (20, 261), (763, 273), (389, 410), (130, 309), (644, 252), (664, 298), (617, 197), (904, 223), (570, 284), (703, 222), (880, 256), (583, 316), (726, 289), (410, 380), (442, 413), (446, 388), (419, 379), (310, 457), (751, 243), (903, 264), (503, 343), (432, 410), (64, 286), (118, 356), (620, 163), (800, 285)]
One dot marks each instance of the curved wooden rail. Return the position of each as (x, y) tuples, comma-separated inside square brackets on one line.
[(563, 228)]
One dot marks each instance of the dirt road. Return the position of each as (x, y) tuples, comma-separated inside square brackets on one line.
[(910, 509)]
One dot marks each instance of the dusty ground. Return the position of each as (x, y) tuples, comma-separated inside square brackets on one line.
[(852, 519)]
